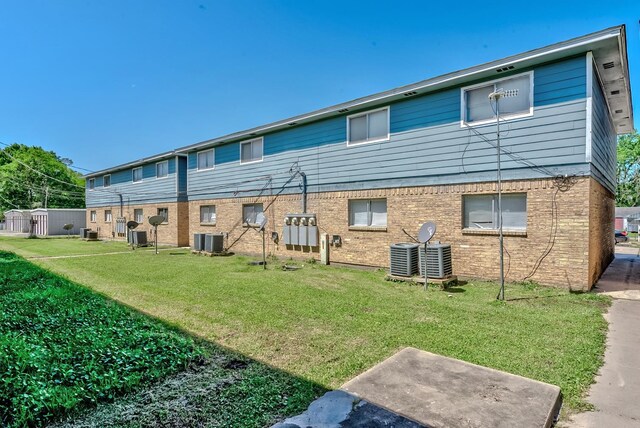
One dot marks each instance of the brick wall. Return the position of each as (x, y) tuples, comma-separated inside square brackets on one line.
[(554, 250), (601, 229), (175, 232)]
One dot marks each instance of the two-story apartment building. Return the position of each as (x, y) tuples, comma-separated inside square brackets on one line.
[(137, 190), (369, 170)]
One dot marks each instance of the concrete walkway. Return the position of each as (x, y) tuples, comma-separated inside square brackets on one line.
[(616, 393)]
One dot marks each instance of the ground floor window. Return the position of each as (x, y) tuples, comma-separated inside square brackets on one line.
[(368, 212), (93, 216), (107, 216), (481, 211), (250, 213), (208, 214), (164, 212), (138, 215)]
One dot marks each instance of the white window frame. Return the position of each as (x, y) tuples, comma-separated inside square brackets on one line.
[(164, 176), (166, 219), (133, 175), (213, 165), (214, 213), (261, 139), (93, 216), (92, 184), (495, 207), (108, 216), (367, 113), (251, 204), (369, 213), (135, 218), (463, 101), (103, 178)]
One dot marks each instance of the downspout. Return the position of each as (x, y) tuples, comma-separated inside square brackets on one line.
[(304, 191), (121, 203)]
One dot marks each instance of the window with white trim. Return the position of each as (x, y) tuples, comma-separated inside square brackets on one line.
[(368, 212), (164, 212), (478, 108), (92, 183), (162, 169), (136, 174), (206, 159), (106, 180), (368, 127), (93, 216), (138, 215), (251, 151), (481, 211), (107, 216), (208, 214), (250, 213)]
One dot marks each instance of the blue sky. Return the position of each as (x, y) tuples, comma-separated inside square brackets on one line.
[(105, 83)]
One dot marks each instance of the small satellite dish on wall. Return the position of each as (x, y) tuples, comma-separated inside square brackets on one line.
[(426, 232), (261, 221), (156, 220), (132, 224)]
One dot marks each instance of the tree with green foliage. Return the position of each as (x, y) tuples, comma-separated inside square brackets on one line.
[(31, 177), (628, 193)]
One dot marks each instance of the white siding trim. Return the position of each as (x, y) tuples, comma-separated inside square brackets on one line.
[(589, 124)]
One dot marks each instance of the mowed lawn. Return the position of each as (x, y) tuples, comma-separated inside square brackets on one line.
[(328, 324)]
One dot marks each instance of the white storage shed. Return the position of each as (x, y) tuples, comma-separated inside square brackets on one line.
[(17, 221), (51, 221)]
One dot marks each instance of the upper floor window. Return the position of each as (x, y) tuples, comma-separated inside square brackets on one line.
[(206, 159), (251, 151), (481, 211), (368, 127), (162, 169), (518, 102), (106, 180), (368, 212), (92, 183), (136, 174)]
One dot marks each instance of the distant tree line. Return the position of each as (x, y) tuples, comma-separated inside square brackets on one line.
[(31, 177), (628, 192)]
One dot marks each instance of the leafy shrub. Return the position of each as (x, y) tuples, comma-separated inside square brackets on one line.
[(62, 346)]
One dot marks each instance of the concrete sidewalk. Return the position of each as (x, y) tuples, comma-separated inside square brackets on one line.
[(616, 392)]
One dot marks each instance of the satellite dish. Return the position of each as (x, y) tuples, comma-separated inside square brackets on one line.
[(261, 220), (426, 232), (132, 225), (68, 226), (156, 220)]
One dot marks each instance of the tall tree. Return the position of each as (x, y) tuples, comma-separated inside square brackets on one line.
[(628, 193), (31, 177)]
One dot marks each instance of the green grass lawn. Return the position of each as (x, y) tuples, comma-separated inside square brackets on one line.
[(65, 349), (328, 324)]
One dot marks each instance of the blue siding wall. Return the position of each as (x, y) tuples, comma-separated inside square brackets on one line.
[(427, 146), (603, 138), (149, 190)]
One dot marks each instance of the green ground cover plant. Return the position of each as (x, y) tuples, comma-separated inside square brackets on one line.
[(327, 324), (62, 346)]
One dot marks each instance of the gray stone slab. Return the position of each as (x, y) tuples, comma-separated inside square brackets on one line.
[(438, 391)]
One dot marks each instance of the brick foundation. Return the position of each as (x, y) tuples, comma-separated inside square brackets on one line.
[(559, 246), (174, 232)]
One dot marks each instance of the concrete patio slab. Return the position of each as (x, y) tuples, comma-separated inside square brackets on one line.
[(438, 392)]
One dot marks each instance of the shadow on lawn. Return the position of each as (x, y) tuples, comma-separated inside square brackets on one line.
[(219, 388)]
